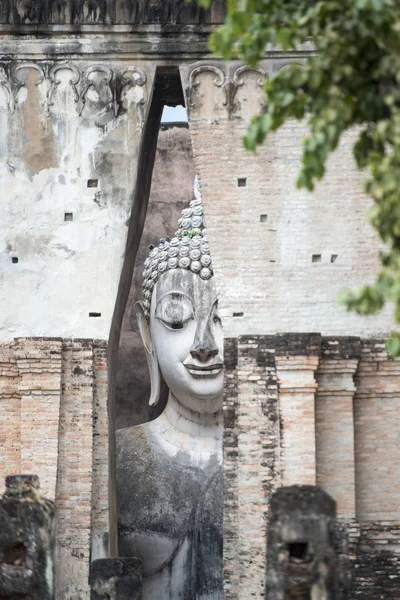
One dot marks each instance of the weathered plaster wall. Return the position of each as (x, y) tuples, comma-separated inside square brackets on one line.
[(265, 233), (359, 471), (70, 135)]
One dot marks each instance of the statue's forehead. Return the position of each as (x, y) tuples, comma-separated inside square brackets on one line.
[(201, 292)]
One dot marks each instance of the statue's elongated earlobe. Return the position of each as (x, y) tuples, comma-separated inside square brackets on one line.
[(151, 356)]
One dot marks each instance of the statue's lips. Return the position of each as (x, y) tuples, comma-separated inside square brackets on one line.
[(204, 371)]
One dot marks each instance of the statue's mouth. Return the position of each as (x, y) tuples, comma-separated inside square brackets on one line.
[(206, 370)]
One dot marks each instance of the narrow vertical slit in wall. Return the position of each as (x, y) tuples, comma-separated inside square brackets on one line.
[(128, 397)]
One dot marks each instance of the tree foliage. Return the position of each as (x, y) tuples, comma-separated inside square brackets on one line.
[(350, 81)]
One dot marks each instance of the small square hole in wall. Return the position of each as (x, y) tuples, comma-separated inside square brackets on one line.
[(94, 314), (68, 217), (316, 258), (14, 259), (263, 218), (334, 257), (242, 181), (92, 183), (237, 314)]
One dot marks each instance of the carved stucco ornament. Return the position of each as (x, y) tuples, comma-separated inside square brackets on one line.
[(130, 78), (103, 77), (4, 11), (228, 84), (219, 82), (19, 80), (30, 13), (112, 87), (238, 81), (5, 84), (55, 80)]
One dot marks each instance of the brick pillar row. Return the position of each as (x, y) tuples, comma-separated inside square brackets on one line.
[(54, 424)]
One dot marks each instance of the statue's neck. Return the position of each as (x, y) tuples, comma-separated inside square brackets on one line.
[(193, 423)]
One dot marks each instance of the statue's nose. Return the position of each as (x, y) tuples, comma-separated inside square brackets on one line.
[(203, 353), (204, 346)]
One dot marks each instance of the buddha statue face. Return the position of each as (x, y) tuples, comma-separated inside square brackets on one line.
[(178, 318), (187, 338), (184, 340)]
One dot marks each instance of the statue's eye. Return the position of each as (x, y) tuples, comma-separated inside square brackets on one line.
[(175, 325), (174, 311), (216, 320)]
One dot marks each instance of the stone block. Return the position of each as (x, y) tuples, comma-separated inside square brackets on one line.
[(116, 579), (26, 541), (301, 559)]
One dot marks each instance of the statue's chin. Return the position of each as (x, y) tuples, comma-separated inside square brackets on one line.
[(198, 395), (206, 406)]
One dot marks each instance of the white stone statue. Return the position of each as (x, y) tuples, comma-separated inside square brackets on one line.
[(169, 471)]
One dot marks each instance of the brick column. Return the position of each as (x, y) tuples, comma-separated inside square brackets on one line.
[(256, 473), (39, 365), (75, 466), (231, 483), (10, 414), (100, 452), (297, 357), (335, 421)]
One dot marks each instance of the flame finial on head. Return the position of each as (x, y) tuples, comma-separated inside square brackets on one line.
[(188, 249)]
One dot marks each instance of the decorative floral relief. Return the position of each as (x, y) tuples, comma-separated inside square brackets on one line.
[(99, 12), (58, 11)]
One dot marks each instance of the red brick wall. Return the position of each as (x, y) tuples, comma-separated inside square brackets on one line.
[(54, 423), (335, 422), (355, 448), (39, 366), (10, 414), (75, 464)]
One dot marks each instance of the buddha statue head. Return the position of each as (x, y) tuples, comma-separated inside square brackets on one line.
[(178, 318)]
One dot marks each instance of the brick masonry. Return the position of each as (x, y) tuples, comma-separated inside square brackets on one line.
[(281, 255), (54, 423), (345, 418)]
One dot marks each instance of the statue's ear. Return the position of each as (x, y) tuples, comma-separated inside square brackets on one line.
[(151, 356)]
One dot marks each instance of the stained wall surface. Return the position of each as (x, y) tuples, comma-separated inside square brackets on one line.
[(68, 164), (281, 255)]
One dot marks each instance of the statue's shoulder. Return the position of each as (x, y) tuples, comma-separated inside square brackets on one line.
[(137, 443)]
